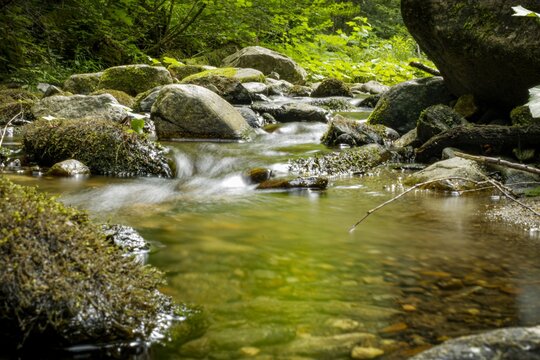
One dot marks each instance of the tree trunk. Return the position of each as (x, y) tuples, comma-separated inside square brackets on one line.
[(480, 139)]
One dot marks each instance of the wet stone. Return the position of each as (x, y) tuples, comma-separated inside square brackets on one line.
[(366, 353)]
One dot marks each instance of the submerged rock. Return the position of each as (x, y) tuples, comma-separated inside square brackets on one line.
[(478, 46), (105, 147), (83, 84), (134, 79), (267, 61), (103, 106), (314, 182), (400, 107), (510, 343), (69, 168), (63, 283), (191, 111)]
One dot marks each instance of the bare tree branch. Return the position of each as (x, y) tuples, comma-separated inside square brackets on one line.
[(498, 161)]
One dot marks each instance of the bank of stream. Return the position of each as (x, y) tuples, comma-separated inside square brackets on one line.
[(277, 274)]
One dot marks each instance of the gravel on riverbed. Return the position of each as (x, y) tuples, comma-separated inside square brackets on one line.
[(513, 213)]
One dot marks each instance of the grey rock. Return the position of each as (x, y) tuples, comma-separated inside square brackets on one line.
[(126, 237), (256, 88), (352, 132), (508, 344), (374, 87), (400, 107), (52, 90), (479, 47), (82, 83), (292, 112), (451, 168), (370, 102), (437, 119), (267, 61), (103, 106), (254, 120), (191, 111), (278, 87), (408, 139), (69, 168), (145, 100), (228, 88)]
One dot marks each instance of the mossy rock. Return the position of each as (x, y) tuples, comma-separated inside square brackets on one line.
[(332, 87), (241, 74), (182, 71), (82, 84), (18, 94), (342, 130), (20, 108), (522, 116), (357, 160), (437, 119), (105, 147), (62, 283), (134, 79), (120, 96)]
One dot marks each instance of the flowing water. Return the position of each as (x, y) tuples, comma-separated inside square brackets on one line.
[(278, 275)]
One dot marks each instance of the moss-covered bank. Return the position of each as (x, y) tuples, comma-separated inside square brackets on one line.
[(62, 282)]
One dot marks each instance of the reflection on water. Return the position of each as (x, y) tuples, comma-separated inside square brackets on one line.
[(280, 277)]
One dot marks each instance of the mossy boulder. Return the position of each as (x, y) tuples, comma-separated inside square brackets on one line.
[(134, 79), (120, 96), (103, 106), (83, 84), (267, 61), (436, 119), (62, 283), (15, 102), (191, 111), (400, 107), (342, 130), (105, 147), (466, 105), (355, 161), (332, 87), (241, 74), (181, 72), (479, 47), (144, 101), (228, 88)]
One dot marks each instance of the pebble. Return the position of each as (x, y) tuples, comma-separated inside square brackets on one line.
[(366, 353)]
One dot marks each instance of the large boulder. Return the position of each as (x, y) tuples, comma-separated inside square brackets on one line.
[(478, 46), (510, 343), (332, 87), (134, 79), (400, 107), (105, 147), (103, 106), (63, 283), (267, 61), (191, 111), (82, 83)]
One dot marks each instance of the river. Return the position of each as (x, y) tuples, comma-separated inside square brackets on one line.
[(277, 274)]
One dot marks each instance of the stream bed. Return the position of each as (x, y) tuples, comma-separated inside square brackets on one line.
[(277, 274)]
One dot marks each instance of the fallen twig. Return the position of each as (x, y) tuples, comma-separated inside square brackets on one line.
[(498, 161), (494, 184), (425, 68), (7, 125)]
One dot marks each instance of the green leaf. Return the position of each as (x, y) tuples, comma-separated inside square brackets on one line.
[(521, 11), (137, 125)]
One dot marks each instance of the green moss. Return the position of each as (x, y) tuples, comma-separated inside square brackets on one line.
[(11, 109), (227, 72), (120, 96), (134, 79), (104, 146), (521, 115), (82, 83), (533, 192), (62, 282), (382, 107)]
